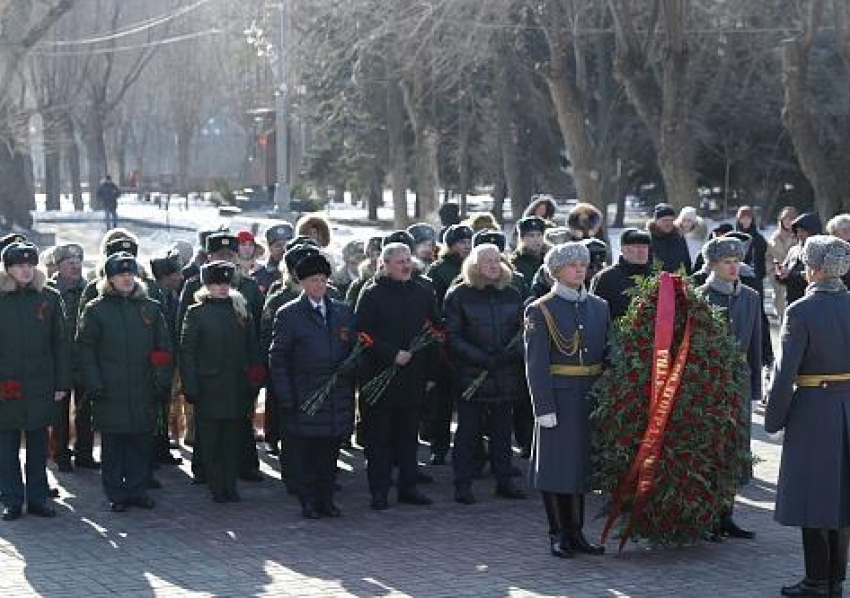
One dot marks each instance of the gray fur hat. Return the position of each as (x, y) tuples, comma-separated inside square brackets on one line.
[(566, 252), (831, 255), (720, 248)]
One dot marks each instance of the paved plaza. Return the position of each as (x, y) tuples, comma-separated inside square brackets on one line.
[(189, 545)]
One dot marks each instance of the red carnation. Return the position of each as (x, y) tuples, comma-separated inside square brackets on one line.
[(365, 339), (257, 374), (159, 358)]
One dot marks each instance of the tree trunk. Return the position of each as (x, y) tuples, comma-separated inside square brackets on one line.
[(500, 192), (95, 155), (52, 180), (397, 153), (570, 106), (674, 156), (419, 102), (508, 130), (465, 128), (375, 195), (828, 183), (16, 195), (184, 159), (668, 128), (72, 161)]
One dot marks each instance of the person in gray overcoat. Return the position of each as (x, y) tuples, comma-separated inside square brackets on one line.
[(313, 335), (810, 399), (742, 307), (566, 333)]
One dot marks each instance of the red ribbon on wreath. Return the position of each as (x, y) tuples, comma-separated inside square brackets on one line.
[(638, 483)]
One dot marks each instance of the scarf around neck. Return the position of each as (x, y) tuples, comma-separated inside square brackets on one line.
[(565, 292), (730, 289), (830, 285)]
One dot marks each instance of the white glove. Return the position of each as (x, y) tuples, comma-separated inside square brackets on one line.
[(550, 420)]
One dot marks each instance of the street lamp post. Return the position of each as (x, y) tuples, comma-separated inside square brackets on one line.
[(282, 198)]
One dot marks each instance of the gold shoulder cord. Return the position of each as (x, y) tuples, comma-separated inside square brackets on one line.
[(566, 347)]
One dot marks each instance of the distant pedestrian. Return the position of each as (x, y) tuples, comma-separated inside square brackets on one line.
[(107, 195)]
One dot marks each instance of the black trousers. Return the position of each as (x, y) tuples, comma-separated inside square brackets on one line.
[(84, 434), (249, 460), (440, 408), (317, 458), (12, 487), (523, 418), (391, 438), (220, 439), (83, 429), (125, 462), (472, 417)]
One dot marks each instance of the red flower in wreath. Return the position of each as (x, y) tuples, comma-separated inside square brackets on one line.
[(365, 339)]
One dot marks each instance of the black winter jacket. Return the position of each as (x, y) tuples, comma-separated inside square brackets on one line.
[(482, 326)]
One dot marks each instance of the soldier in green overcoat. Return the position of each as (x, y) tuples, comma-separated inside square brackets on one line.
[(125, 351), (35, 376), (222, 369)]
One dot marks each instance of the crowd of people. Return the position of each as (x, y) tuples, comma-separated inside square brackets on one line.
[(504, 332)]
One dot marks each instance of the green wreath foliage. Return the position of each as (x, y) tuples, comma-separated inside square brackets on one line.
[(703, 454)]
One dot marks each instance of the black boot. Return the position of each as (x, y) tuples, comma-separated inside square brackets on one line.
[(729, 528), (816, 557), (558, 547), (573, 506), (838, 542)]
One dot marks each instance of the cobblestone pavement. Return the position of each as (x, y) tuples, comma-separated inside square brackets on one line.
[(188, 545)]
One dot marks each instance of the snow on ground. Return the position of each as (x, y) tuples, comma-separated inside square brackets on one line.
[(158, 228)]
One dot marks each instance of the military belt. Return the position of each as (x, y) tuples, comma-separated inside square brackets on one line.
[(576, 370), (816, 380)]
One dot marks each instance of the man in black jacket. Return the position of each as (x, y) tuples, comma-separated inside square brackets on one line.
[(792, 272), (668, 245), (391, 424), (614, 282)]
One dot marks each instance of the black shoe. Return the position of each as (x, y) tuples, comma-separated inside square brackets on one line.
[(86, 463), (438, 459), (729, 528), (154, 484), (559, 548), (423, 478), (807, 587), (64, 465), (233, 496), (379, 503), (713, 536), (251, 476), (464, 496), (510, 491), (11, 513), (328, 509), (53, 493), (309, 512), (199, 480), (143, 502), (118, 507), (40, 510), (414, 497), (579, 544)]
